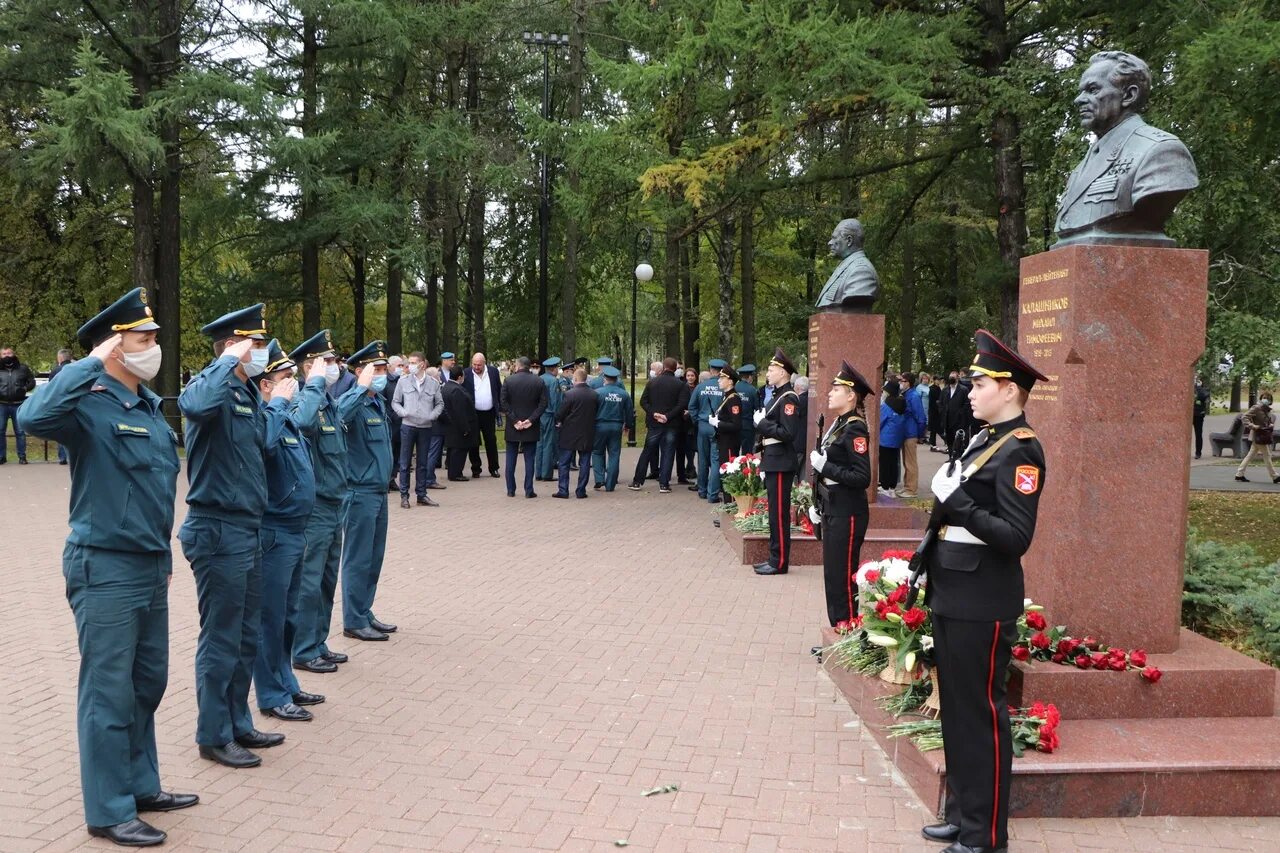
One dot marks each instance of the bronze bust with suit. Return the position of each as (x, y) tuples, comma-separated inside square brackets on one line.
[(1126, 187)]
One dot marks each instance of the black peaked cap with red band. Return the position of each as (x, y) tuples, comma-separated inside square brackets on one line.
[(780, 359), (997, 361), (851, 377)]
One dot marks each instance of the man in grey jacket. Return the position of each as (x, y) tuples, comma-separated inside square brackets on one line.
[(418, 403)]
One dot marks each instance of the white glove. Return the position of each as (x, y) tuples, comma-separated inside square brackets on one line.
[(758, 417), (814, 516), (714, 421), (818, 460), (944, 485)]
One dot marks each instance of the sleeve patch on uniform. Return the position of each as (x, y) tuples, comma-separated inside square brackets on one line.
[(789, 409), (737, 410), (1026, 479), (860, 445)]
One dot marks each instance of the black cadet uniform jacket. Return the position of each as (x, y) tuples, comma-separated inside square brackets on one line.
[(997, 504), (781, 431), (730, 415), (847, 445)]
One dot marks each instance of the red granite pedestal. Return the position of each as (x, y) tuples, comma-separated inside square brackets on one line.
[(1107, 324)]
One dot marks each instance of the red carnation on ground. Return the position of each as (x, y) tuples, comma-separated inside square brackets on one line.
[(914, 618), (1152, 674), (1021, 652), (1036, 621), (1138, 657), (1041, 640), (1084, 661)]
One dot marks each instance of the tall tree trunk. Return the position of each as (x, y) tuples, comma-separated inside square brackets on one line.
[(311, 319), (475, 214), (671, 284), (169, 249), (726, 254), (143, 189), (573, 176), (432, 317), (395, 269), (907, 311), (695, 301), (359, 282), (450, 226), (1011, 222), (688, 305), (395, 321), (748, 284)]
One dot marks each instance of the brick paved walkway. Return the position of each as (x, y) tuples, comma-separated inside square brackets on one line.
[(555, 659)]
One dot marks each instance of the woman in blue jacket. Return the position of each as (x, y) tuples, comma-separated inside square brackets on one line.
[(894, 424)]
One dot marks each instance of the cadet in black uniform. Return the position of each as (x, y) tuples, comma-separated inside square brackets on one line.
[(843, 465), (779, 430), (976, 593), (727, 421)]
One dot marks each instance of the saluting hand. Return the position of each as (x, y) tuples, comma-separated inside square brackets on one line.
[(240, 349), (366, 376), (104, 350), (317, 369), (285, 388)]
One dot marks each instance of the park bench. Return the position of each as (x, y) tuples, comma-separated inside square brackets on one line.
[(1232, 439)]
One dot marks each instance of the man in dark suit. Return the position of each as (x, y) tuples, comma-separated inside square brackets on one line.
[(524, 399), (462, 430), (576, 425), (485, 385), (956, 413), (664, 401), (935, 410), (389, 394)]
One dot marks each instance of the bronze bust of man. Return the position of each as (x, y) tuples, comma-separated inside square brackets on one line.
[(1126, 187), (854, 284)]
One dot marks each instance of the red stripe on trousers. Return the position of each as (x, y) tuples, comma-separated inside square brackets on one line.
[(995, 733), (782, 540), (848, 563)]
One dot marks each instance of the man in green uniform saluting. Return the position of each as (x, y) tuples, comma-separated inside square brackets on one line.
[(117, 562)]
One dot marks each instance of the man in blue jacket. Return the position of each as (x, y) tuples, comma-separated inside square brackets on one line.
[(613, 412), (124, 471), (311, 609), (220, 537), (917, 430), (364, 526), (291, 496), (704, 400)]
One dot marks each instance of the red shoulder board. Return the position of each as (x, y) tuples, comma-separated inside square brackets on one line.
[(860, 444), (1026, 479), (789, 409), (737, 410)]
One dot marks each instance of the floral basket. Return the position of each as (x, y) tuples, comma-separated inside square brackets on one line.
[(740, 476)]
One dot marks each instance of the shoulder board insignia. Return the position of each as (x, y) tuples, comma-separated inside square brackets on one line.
[(1024, 433)]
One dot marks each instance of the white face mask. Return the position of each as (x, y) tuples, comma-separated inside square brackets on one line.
[(144, 365), (257, 362), (331, 374)]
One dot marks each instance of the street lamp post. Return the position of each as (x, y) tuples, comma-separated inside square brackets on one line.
[(643, 272), (546, 41)]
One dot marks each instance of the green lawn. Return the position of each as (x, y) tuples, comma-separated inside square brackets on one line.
[(1238, 517)]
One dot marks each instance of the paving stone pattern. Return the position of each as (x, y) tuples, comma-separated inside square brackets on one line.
[(555, 659)]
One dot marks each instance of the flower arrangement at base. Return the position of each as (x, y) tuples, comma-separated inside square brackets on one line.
[(740, 476), (1038, 641), (1034, 728), (902, 631)]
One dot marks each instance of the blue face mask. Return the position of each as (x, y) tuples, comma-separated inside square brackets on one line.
[(379, 383)]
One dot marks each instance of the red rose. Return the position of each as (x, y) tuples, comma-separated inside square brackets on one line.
[(1041, 640), (1152, 674), (1115, 653), (872, 576), (914, 618), (1021, 653), (1118, 664), (1052, 715), (1067, 645), (1084, 661), (857, 621), (1059, 657), (1036, 621), (1089, 643), (899, 595), (1099, 660), (1138, 658), (842, 627)]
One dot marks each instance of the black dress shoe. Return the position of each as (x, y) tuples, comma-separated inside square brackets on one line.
[(768, 569), (581, 495), (561, 495), (334, 657), (363, 634), (260, 740), (131, 833), (231, 755), (384, 627), (426, 501), (404, 503), (460, 479), (494, 474), (316, 665), (693, 488), (475, 475), (598, 486), (437, 486), (510, 493), (166, 802), (941, 832), (290, 713), (759, 566), (22, 460), (957, 847), (304, 698), (530, 494)]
